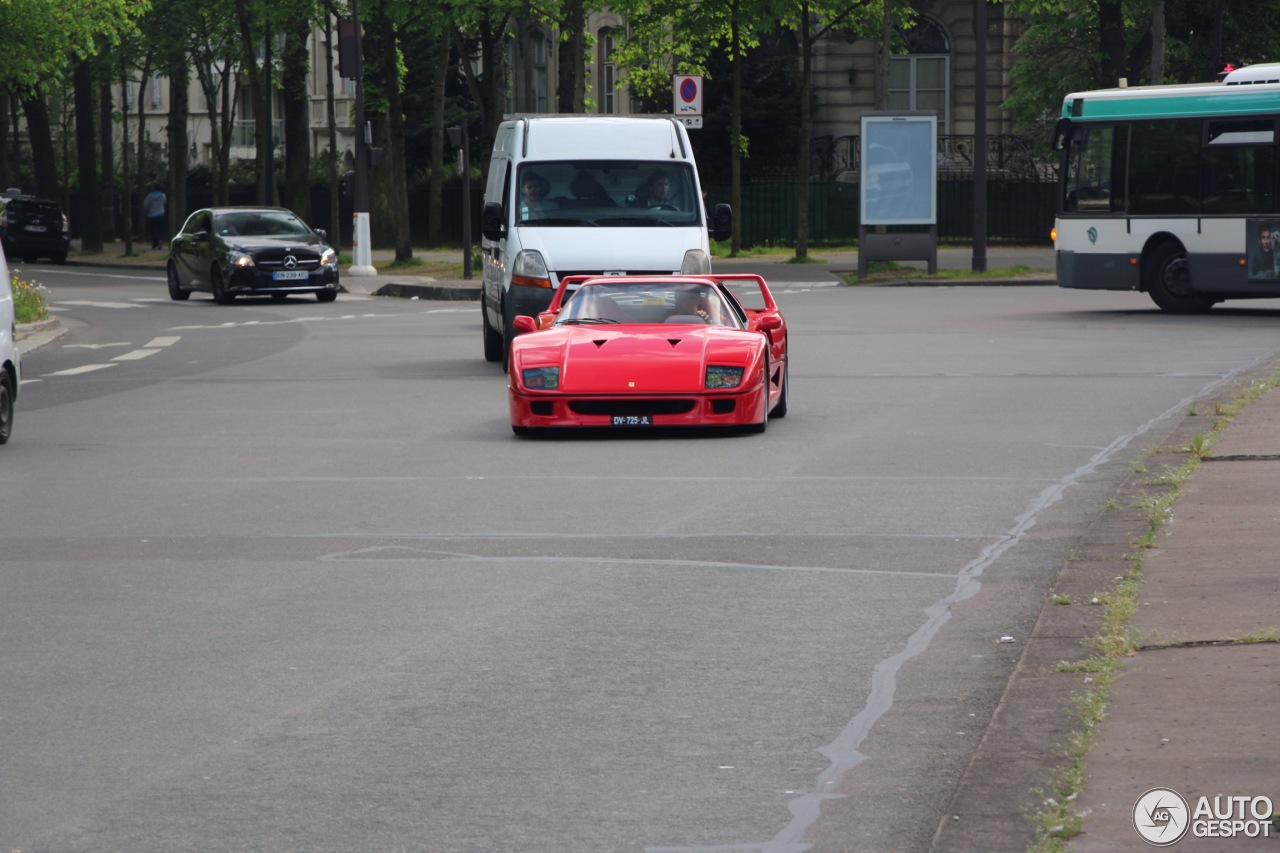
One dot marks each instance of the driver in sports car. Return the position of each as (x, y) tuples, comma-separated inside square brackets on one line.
[(692, 303)]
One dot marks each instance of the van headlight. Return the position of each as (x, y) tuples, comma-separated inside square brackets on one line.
[(530, 270), (695, 262)]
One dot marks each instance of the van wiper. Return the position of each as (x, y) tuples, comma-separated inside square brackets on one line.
[(560, 220), (636, 220)]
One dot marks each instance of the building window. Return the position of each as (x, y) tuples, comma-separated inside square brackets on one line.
[(538, 80), (921, 79), (156, 92), (608, 71)]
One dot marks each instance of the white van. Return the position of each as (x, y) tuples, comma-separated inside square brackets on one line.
[(10, 362), (576, 194)]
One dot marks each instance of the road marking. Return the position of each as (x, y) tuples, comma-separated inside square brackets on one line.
[(134, 355), (97, 346), (87, 303), (76, 371), (165, 341)]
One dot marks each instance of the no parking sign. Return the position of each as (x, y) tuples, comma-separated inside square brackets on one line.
[(687, 97)]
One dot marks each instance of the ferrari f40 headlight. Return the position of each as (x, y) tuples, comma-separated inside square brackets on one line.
[(720, 376), (541, 378)]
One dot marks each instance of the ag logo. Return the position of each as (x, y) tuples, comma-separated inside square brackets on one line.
[(1092, 233), (1161, 815)]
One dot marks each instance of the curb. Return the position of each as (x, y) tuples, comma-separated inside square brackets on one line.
[(32, 336), (440, 292)]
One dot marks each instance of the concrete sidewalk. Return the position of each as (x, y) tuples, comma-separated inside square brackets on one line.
[(1193, 709)]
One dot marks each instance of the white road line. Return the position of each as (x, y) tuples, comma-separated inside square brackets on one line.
[(134, 355), (87, 303), (166, 341), (75, 371)]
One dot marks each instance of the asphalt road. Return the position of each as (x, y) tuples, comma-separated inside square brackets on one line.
[(277, 576)]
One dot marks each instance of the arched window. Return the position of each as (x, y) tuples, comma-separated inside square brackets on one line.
[(538, 71), (608, 70), (921, 79)]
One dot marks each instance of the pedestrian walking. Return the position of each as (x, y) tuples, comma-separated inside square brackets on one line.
[(154, 208)]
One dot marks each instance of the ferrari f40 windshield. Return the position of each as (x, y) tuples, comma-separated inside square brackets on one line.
[(605, 193), (650, 302)]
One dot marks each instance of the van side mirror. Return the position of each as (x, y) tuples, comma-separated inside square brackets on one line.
[(722, 222), (492, 224)]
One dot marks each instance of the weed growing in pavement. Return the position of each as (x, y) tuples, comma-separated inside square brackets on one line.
[(1058, 820), (28, 300)]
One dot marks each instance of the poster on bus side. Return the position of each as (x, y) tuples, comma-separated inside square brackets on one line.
[(1263, 260)]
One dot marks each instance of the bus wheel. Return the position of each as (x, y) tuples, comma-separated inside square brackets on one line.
[(1168, 281)]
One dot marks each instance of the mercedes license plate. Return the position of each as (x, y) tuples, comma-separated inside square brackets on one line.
[(289, 275)]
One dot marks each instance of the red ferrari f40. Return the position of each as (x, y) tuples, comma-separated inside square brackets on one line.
[(651, 351)]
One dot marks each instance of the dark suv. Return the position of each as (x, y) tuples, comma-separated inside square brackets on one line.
[(32, 228)]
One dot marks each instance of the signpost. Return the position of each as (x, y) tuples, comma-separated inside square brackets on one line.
[(687, 99)]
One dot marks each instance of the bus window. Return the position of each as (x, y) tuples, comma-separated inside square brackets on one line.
[(1089, 161), (1162, 171), (1237, 166)]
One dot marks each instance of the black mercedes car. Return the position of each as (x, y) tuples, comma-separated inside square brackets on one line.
[(243, 251), (32, 228)]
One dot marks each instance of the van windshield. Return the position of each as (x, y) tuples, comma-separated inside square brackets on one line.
[(606, 193)]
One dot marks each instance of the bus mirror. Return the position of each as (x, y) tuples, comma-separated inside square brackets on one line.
[(1061, 131)]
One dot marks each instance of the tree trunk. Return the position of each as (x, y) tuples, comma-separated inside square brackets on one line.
[(89, 197), (141, 175), (126, 176), (883, 52), (806, 132), (1157, 42), (735, 130), (179, 145), (1111, 32), (394, 156), (435, 194), (331, 118), (43, 161), (297, 121), (570, 79), (107, 155)]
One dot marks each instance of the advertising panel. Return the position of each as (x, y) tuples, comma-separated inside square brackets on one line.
[(899, 168)]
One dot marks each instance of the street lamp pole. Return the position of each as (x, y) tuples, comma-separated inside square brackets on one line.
[(361, 248), (979, 263)]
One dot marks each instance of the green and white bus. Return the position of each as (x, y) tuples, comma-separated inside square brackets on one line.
[(1172, 190)]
